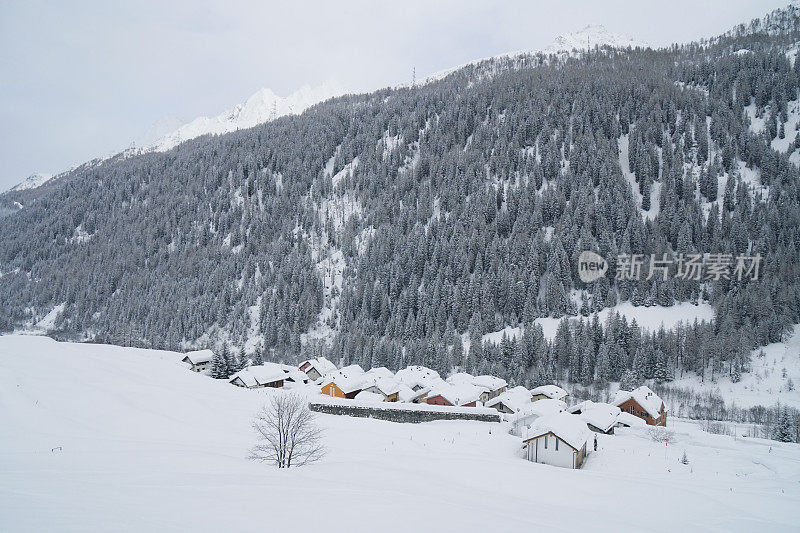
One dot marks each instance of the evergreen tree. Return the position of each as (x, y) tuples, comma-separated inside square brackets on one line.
[(784, 432)]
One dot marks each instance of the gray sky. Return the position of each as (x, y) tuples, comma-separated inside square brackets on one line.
[(83, 80)]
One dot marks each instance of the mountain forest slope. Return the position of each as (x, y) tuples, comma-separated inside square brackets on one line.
[(382, 227)]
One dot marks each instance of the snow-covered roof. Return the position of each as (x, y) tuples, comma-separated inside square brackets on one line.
[(348, 379), (387, 385), (580, 406), (198, 357), (295, 375), (416, 375), (569, 428), (321, 365), (515, 399), (460, 378), (260, 374), (369, 397), (457, 394), (407, 394), (540, 408), (380, 372), (551, 391), (645, 397), (603, 416), (492, 383), (627, 419), (351, 370)]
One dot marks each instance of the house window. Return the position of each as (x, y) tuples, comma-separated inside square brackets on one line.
[(545, 442), (633, 412), (556, 443)]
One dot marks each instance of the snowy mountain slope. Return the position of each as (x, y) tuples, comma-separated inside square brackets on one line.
[(591, 36), (159, 129), (261, 107), (100, 438), (170, 131), (36, 179)]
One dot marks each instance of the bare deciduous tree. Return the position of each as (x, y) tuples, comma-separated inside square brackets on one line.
[(288, 434)]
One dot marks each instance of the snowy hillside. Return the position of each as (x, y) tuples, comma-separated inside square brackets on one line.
[(101, 438), (593, 35), (261, 107), (36, 179)]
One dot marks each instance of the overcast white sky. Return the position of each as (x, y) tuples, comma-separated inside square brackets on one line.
[(83, 80)]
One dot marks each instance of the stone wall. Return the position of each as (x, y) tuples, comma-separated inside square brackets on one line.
[(400, 415)]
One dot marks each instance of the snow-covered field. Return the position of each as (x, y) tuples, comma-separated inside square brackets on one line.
[(102, 438)]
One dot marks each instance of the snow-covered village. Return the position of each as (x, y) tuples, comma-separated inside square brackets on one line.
[(450, 266)]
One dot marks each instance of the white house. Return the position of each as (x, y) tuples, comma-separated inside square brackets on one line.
[(198, 359), (553, 392), (316, 368), (559, 440), (510, 401)]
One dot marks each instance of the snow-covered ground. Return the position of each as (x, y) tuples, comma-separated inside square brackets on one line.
[(768, 381), (103, 438), (650, 318)]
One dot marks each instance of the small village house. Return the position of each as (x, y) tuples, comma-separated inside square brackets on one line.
[(552, 392), (600, 417), (558, 440), (258, 376), (344, 383), (406, 394), (198, 359), (419, 379), (388, 388), (643, 403), (491, 385), (316, 368), (464, 395), (494, 386), (510, 401)]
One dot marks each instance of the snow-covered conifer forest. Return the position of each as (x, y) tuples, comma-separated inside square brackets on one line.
[(388, 223)]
